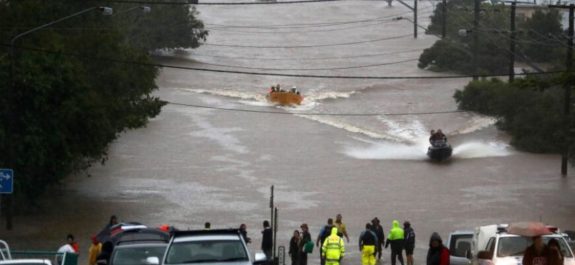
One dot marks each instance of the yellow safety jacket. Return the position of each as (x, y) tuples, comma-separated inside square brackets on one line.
[(333, 247)]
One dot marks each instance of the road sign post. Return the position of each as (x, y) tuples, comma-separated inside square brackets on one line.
[(6, 181), (6, 189)]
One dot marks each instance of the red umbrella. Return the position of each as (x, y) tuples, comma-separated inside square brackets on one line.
[(529, 229)]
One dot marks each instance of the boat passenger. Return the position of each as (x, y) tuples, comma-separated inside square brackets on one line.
[(441, 136), (431, 136), (293, 89)]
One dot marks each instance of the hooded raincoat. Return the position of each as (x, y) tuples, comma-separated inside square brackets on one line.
[(437, 255), (333, 248), (395, 237)]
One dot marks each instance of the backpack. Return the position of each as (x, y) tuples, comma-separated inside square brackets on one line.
[(308, 247)]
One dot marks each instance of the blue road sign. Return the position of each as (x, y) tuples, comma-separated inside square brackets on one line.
[(6, 181)]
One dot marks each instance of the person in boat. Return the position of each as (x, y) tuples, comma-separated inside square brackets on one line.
[(293, 89), (432, 136), (272, 89), (441, 136), (278, 88)]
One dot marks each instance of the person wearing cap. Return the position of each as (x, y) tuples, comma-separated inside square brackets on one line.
[(378, 230), (409, 242), (305, 237), (94, 250)]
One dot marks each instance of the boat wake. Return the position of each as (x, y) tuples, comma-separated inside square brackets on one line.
[(481, 149), (399, 151)]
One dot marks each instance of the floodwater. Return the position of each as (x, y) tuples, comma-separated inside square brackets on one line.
[(191, 165)]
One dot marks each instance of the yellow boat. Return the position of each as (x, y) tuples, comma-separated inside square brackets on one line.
[(284, 98)]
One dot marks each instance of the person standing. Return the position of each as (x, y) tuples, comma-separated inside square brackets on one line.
[(367, 243), (437, 254), (409, 242), (104, 257), (207, 226), (305, 238), (395, 239), (555, 254), (537, 253), (378, 230), (323, 235), (94, 251), (333, 248), (341, 226), (244, 233), (294, 244), (267, 240)]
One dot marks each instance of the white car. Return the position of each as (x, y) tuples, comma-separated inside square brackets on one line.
[(25, 262), (459, 244), (493, 243)]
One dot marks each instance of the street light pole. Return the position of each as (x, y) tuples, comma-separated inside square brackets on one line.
[(475, 38), (6, 199)]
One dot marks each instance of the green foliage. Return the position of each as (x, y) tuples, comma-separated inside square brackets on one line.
[(529, 109), (542, 34), (165, 26), (68, 101), (536, 40)]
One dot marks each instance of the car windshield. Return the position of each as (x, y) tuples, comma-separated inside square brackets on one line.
[(515, 246), (137, 255), (206, 251), (460, 245)]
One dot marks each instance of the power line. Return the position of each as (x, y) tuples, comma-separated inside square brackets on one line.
[(307, 58), (269, 74), (307, 46), (317, 113), (214, 3), (313, 69)]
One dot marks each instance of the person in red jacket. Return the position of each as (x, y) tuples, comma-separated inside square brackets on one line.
[(438, 254)]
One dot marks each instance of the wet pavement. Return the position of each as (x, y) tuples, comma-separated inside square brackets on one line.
[(191, 165)]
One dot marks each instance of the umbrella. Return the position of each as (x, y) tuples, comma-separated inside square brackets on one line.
[(529, 229)]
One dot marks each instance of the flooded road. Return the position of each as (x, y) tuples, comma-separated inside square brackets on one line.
[(195, 164)]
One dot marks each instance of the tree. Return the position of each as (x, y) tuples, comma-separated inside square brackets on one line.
[(529, 109), (454, 52), (75, 88)]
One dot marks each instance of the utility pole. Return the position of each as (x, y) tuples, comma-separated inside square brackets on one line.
[(567, 102), (512, 43), (443, 19), (414, 9), (475, 38)]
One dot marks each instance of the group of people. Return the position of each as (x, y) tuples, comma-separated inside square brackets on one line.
[(437, 136), (277, 88), (331, 244), (541, 254)]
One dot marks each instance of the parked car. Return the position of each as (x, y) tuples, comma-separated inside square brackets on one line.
[(138, 245), (26, 262), (459, 244), (222, 247), (149, 253), (501, 248)]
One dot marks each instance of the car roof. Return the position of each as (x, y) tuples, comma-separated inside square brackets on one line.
[(141, 245), (26, 261), (206, 238), (512, 235), (462, 232)]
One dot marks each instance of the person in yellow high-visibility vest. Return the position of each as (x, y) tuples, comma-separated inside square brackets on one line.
[(333, 248)]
